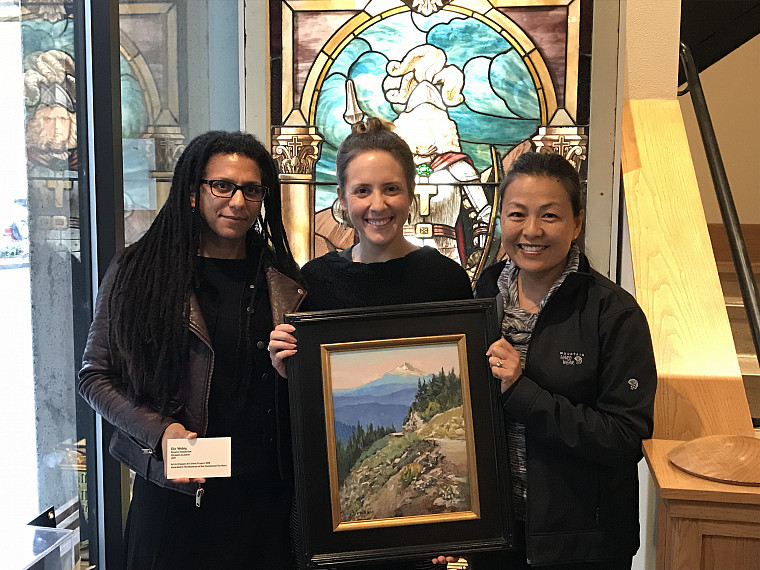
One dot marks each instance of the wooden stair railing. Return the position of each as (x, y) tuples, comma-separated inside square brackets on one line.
[(700, 390)]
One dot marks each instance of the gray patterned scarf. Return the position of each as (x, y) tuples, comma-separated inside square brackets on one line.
[(517, 328)]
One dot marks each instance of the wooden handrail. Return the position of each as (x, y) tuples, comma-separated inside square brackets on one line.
[(700, 390)]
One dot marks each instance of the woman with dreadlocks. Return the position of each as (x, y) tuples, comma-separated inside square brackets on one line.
[(177, 349)]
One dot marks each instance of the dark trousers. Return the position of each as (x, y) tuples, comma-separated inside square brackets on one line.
[(243, 522), (516, 559)]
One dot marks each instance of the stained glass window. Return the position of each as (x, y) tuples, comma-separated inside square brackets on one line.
[(467, 84)]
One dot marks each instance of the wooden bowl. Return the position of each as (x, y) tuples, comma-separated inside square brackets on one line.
[(725, 458)]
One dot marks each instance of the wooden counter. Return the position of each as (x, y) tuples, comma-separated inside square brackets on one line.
[(702, 524)]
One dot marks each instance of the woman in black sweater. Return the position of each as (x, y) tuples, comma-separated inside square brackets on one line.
[(375, 171)]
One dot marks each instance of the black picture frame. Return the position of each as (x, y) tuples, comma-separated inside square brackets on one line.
[(321, 538)]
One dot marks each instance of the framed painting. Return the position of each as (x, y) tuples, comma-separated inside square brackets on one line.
[(398, 436)]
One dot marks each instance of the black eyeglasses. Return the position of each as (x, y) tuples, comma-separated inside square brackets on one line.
[(226, 189)]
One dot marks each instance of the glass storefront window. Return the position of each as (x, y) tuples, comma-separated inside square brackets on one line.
[(179, 64), (44, 301), (16, 412), (172, 89)]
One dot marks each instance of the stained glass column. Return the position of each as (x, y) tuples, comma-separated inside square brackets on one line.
[(296, 150)]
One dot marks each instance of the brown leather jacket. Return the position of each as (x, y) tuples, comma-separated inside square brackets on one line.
[(137, 440)]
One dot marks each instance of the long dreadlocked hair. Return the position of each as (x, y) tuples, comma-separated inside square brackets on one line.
[(149, 304)]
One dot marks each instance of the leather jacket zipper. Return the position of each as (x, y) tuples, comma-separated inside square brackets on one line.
[(199, 495)]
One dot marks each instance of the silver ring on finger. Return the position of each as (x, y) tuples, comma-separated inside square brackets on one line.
[(498, 363)]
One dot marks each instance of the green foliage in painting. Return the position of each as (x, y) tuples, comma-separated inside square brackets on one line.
[(347, 454), (441, 393), (409, 474)]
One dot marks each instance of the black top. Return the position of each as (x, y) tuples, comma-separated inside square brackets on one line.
[(335, 282), (235, 406), (223, 297)]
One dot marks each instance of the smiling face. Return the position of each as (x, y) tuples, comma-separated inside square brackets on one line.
[(227, 220), (538, 226), (377, 200)]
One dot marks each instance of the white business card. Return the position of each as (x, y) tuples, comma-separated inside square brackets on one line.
[(199, 457)]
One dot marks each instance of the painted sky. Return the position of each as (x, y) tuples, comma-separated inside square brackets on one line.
[(358, 367)]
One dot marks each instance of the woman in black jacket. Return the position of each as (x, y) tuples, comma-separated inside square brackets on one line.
[(577, 374), (177, 349)]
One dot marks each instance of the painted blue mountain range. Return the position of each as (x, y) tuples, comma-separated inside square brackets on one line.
[(383, 402)]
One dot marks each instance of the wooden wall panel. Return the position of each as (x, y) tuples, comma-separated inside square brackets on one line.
[(724, 552)]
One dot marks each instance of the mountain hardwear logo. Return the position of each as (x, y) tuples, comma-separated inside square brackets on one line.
[(571, 358)]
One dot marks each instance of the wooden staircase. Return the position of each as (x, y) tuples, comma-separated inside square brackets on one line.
[(737, 316), (745, 347), (700, 524)]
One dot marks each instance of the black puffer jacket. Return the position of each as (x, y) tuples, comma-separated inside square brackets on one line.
[(586, 398), (137, 439)]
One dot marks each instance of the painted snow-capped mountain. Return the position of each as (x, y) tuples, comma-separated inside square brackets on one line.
[(407, 369), (384, 401), (403, 375)]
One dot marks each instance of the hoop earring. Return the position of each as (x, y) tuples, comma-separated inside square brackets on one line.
[(340, 215), (414, 208)]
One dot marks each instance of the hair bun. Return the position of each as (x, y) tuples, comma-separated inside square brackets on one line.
[(372, 125)]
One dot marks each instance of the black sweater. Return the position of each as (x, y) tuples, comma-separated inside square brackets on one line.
[(335, 282)]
